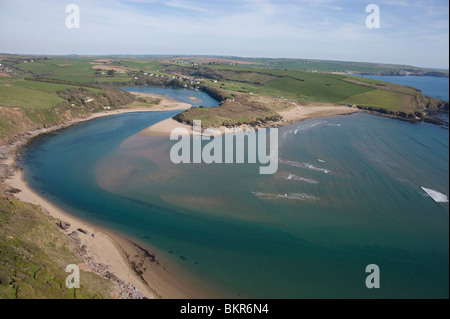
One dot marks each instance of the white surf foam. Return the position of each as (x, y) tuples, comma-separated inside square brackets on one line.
[(435, 195), (315, 124), (287, 196), (307, 126), (319, 169), (301, 179), (306, 165)]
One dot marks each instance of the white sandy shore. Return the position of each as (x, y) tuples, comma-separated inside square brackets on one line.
[(118, 252), (115, 250), (164, 128), (166, 103), (157, 280), (299, 113), (102, 247)]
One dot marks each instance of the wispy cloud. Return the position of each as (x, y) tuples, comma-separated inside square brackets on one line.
[(186, 5), (329, 29)]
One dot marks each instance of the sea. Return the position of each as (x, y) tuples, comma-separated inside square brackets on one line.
[(349, 192)]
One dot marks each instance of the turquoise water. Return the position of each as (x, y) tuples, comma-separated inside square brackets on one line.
[(347, 194), (225, 223), (181, 94), (437, 87)]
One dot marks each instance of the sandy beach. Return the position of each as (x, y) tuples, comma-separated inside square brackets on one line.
[(134, 267), (297, 114), (164, 128), (125, 258), (301, 113), (100, 245), (166, 103)]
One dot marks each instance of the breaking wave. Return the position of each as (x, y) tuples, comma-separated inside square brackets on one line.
[(435, 195), (301, 179), (286, 196), (306, 165)]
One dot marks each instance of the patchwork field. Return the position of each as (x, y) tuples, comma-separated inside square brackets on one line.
[(226, 78)]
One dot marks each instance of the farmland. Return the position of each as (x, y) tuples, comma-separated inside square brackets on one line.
[(38, 82), (39, 92)]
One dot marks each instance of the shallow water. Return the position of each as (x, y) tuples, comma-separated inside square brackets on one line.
[(193, 97), (347, 193)]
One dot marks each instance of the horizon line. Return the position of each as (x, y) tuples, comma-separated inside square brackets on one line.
[(218, 55)]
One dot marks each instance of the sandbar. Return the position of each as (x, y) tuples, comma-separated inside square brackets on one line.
[(153, 278), (166, 103)]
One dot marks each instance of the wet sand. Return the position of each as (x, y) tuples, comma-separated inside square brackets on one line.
[(297, 114), (301, 113), (128, 260)]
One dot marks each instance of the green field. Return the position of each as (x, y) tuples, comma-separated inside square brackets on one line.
[(68, 70), (52, 91), (385, 99), (19, 96), (277, 78), (145, 65), (27, 104), (318, 88), (43, 86), (33, 94)]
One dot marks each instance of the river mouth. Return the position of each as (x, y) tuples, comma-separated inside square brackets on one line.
[(308, 231)]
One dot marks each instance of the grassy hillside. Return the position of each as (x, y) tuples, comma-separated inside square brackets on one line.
[(243, 109), (269, 78), (27, 105), (45, 91), (19, 96), (34, 255), (303, 87), (257, 76)]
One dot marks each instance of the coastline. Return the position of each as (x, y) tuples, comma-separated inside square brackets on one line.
[(301, 113), (94, 244), (136, 272), (166, 103), (297, 114), (100, 251)]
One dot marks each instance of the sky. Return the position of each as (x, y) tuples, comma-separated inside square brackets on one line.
[(411, 32)]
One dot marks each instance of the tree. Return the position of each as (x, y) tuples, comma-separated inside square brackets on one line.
[(111, 72)]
